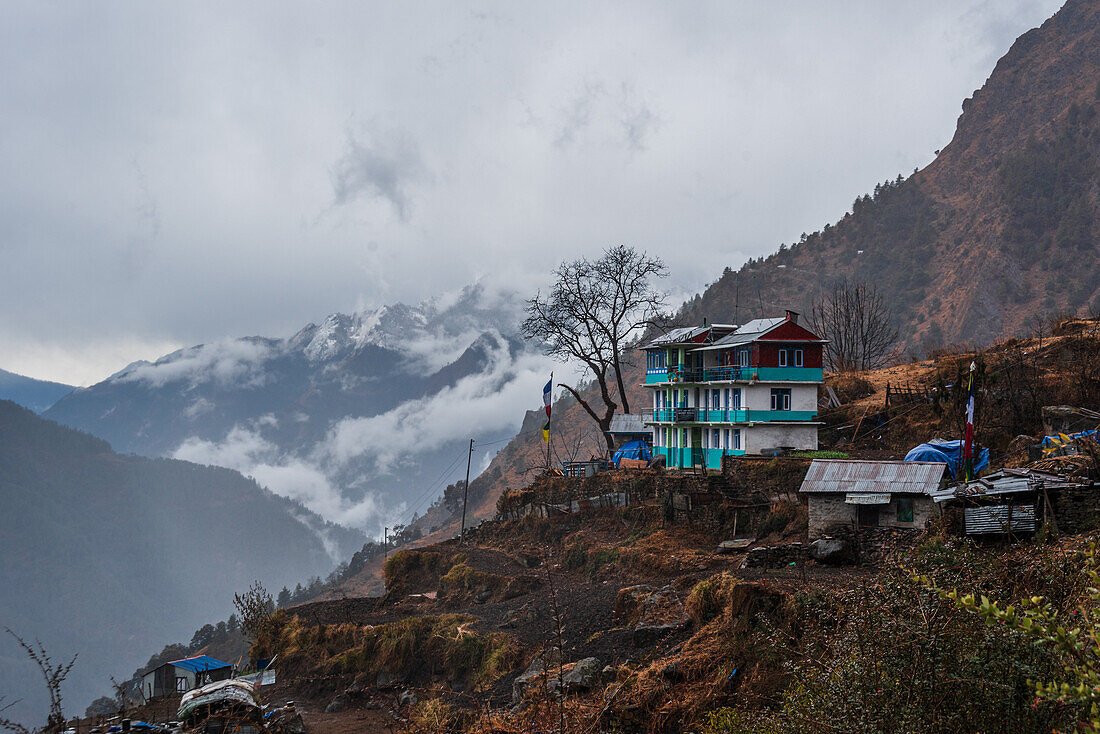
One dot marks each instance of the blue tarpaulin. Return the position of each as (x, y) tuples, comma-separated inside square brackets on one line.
[(950, 453), (632, 450)]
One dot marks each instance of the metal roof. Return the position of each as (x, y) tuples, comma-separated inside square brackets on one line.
[(629, 423), (200, 664), (1005, 481), (851, 476), (679, 335)]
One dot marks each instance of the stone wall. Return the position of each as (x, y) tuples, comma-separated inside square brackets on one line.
[(828, 512), (1076, 510), (775, 556), (882, 546)]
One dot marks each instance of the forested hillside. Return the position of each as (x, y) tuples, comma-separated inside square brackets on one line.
[(108, 556), (1000, 228)]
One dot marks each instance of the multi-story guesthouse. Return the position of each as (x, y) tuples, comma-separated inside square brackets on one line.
[(725, 390)]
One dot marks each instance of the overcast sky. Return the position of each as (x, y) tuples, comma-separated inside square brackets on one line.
[(175, 173)]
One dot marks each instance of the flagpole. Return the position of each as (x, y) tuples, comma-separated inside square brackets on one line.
[(549, 418), (968, 444)]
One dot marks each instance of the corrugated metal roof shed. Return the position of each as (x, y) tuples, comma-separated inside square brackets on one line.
[(629, 423), (200, 664), (982, 520), (1006, 481), (850, 475)]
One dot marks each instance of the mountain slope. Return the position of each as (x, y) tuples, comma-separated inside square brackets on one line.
[(108, 556), (31, 393), (1000, 227), (356, 417)]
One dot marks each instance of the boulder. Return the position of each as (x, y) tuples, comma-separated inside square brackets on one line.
[(830, 550), (407, 698), (531, 678), (732, 546), (583, 676), (338, 704)]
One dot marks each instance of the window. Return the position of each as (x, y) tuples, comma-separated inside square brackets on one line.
[(743, 357), (781, 398), (905, 509), (655, 361), (736, 439), (714, 440), (716, 399), (790, 357), (735, 395)]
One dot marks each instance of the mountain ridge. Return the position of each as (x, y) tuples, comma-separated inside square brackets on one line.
[(113, 554)]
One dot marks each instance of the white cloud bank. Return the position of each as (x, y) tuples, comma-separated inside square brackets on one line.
[(490, 402)]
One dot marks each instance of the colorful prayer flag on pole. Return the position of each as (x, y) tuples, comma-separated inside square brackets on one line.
[(546, 392), (968, 444)]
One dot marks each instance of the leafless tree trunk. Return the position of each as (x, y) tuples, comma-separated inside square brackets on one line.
[(857, 324), (592, 314)]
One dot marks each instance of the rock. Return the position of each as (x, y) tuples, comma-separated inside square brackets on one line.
[(584, 675), (482, 596), (648, 634), (630, 602), (385, 679), (829, 550), (732, 546), (286, 721), (407, 698), (524, 615), (338, 704), (531, 678)]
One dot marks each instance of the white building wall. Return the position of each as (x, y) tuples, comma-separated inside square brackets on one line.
[(760, 436), (759, 396)]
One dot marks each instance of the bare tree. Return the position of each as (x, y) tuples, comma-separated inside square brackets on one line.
[(594, 311), (857, 324), (254, 607), (54, 674)]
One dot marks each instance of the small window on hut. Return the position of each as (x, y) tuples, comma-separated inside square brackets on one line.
[(905, 509)]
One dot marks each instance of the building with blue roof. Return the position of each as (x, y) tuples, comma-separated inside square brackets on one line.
[(180, 676)]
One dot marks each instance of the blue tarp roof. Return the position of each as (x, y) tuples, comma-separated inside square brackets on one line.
[(948, 452), (632, 450), (200, 664)]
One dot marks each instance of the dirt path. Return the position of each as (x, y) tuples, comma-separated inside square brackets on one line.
[(352, 721)]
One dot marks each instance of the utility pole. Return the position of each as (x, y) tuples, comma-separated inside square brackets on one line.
[(386, 542), (466, 488)]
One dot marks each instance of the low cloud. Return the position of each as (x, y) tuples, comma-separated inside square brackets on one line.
[(357, 451), (229, 362), (479, 403), (247, 451)]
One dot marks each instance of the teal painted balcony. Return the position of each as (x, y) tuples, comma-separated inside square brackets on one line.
[(734, 374), (726, 415), (687, 458)]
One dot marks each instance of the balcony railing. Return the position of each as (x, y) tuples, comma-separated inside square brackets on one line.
[(734, 374), (724, 415), (710, 374), (699, 415)]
